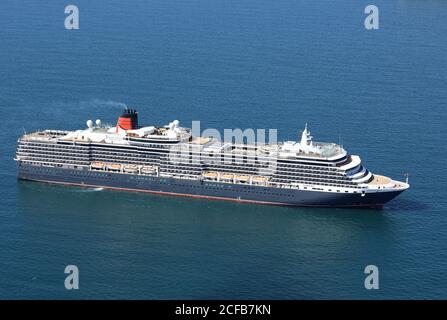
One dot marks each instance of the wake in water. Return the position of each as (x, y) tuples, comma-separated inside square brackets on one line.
[(88, 189)]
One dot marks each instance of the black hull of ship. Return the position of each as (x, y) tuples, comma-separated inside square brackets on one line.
[(201, 189)]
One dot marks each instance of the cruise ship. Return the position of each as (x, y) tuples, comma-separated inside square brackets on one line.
[(171, 160)]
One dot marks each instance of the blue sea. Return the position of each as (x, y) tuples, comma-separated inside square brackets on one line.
[(231, 64)]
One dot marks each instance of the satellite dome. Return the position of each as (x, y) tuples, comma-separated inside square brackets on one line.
[(98, 122), (176, 123), (89, 123)]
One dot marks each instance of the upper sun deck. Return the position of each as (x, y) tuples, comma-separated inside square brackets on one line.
[(110, 135), (107, 134), (317, 150), (44, 136), (212, 147), (127, 132), (306, 149)]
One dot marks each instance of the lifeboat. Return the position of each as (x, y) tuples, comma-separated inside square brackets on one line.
[(242, 178), (132, 168), (212, 175), (227, 176), (97, 165), (113, 166), (259, 179), (148, 170)]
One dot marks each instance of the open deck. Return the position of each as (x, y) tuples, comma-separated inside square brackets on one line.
[(379, 180)]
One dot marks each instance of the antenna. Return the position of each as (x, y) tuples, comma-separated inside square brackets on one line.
[(340, 142)]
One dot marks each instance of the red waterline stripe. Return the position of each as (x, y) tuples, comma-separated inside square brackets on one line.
[(162, 193), (198, 196)]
